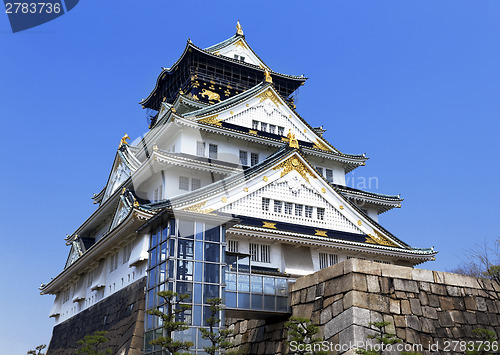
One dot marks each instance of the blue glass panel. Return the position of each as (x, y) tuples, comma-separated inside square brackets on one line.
[(163, 251), (185, 288), (212, 233), (186, 335), (171, 247), (147, 338), (197, 293), (151, 299), (210, 291), (163, 272), (231, 299), (153, 240), (171, 269), (199, 230), (149, 321), (212, 252), (164, 234), (212, 273), (186, 229), (269, 285), (184, 270), (244, 300), (230, 282), (256, 284), (197, 315), (198, 272), (231, 261), (170, 286), (198, 251), (184, 317), (269, 303), (256, 302), (243, 264), (282, 304), (203, 342), (152, 278), (243, 283), (185, 249), (281, 287)]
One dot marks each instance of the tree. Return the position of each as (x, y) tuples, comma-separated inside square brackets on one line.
[(38, 350), (301, 334), (219, 339), (90, 344), (485, 344), (482, 261), (384, 340), (170, 323)]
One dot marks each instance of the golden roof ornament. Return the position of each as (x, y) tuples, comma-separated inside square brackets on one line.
[(268, 77), (239, 30), (124, 140), (292, 141)]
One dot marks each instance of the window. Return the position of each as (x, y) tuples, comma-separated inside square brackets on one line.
[(183, 183), (329, 175), (278, 206), (65, 295), (195, 184), (319, 170), (254, 159), (265, 204), (272, 129), (326, 260), (233, 246), (281, 130), (288, 207), (309, 212), (243, 157), (260, 253), (200, 149), (321, 213), (212, 151), (127, 250), (113, 262), (298, 210), (255, 125), (263, 126), (239, 57)]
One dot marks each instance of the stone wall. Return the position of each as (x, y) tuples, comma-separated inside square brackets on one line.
[(121, 314), (423, 307)]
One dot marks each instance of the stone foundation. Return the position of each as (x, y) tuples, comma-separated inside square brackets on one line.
[(257, 336), (121, 314)]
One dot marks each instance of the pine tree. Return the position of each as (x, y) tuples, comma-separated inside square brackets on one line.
[(219, 339), (486, 343), (384, 339), (302, 332), (90, 344), (170, 324), (38, 350)]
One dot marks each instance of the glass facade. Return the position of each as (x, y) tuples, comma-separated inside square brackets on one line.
[(186, 257)]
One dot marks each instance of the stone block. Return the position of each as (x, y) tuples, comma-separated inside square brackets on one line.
[(424, 286), (401, 333), (295, 298), (405, 307), (457, 316), (303, 310), (400, 321), (481, 304), (454, 291), (400, 295), (355, 333), (424, 300), (337, 307), (356, 299), (375, 317), (433, 300), (362, 267), (482, 319), (353, 315), (390, 328), (444, 319), (446, 303), (460, 280), (429, 312), (395, 271), (493, 319), (491, 305), (325, 315), (328, 273), (320, 289), (438, 289), (413, 322), (412, 337), (415, 306), (428, 326), (394, 306), (470, 318), (386, 285), (459, 303), (303, 295), (311, 294), (406, 285), (422, 275), (372, 283), (378, 303)]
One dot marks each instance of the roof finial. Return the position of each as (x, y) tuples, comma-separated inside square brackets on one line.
[(124, 140), (268, 77), (292, 141), (239, 30)]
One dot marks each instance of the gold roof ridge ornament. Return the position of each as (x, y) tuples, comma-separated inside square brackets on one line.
[(239, 29), (293, 163), (123, 141), (292, 141), (268, 77)]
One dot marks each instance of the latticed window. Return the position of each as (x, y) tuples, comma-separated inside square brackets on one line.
[(255, 125), (127, 250), (183, 183), (329, 175), (65, 295), (278, 206), (326, 260), (260, 253), (263, 126), (281, 130), (243, 157), (321, 213), (272, 129), (114, 262), (288, 207), (233, 246), (254, 159), (200, 149), (212, 151), (195, 184), (319, 170), (308, 212), (298, 210), (265, 204)]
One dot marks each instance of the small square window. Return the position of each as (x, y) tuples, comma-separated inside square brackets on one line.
[(183, 183), (254, 159), (272, 129), (298, 210), (243, 158), (281, 130), (255, 125), (288, 207), (319, 170), (265, 204), (308, 212), (278, 206), (321, 213), (200, 149), (329, 175), (195, 184), (212, 151), (263, 126)]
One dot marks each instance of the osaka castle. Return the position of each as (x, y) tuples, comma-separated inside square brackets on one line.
[(230, 193)]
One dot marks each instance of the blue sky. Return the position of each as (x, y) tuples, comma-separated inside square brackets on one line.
[(414, 84)]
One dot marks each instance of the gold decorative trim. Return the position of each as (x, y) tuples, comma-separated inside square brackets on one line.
[(265, 178), (198, 208), (240, 43), (267, 76), (320, 233), (136, 204), (319, 145), (210, 95), (124, 139), (269, 224), (245, 189), (341, 207), (212, 120), (292, 141), (360, 223), (323, 190), (378, 238), (293, 163), (251, 131), (231, 112), (269, 94), (224, 199), (239, 29)]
